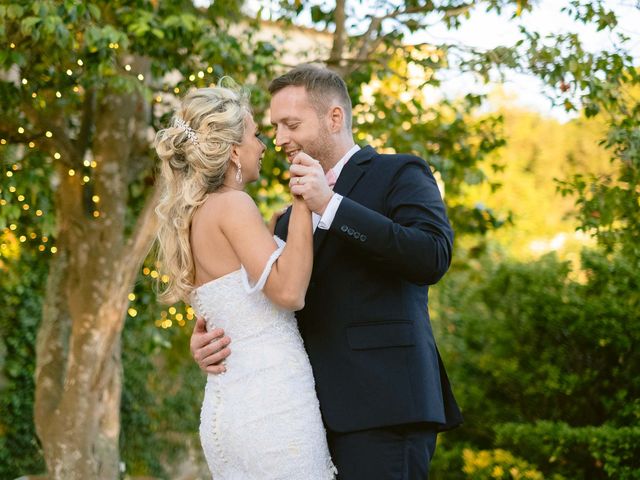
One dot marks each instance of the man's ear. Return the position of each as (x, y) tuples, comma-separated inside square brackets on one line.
[(336, 118)]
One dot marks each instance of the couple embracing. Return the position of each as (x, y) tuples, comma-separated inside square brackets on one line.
[(351, 385)]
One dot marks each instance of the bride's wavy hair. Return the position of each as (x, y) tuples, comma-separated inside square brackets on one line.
[(194, 154)]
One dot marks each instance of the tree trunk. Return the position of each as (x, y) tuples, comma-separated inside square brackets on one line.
[(79, 370)]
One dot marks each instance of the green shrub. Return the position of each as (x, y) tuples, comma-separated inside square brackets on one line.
[(577, 452), (498, 465)]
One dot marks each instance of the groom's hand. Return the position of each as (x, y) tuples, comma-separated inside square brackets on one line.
[(209, 349), (308, 181)]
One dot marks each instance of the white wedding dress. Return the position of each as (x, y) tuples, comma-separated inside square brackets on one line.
[(261, 419)]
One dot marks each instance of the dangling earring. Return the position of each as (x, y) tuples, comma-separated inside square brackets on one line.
[(239, 173)]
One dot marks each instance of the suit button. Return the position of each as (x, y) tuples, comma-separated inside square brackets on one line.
[(356, 235), (363, 238), (344, 228), (350, 232)]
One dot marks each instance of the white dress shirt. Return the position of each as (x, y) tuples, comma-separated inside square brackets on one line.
[(324, 222)]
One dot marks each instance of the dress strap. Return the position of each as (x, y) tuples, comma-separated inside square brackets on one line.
[(267, 269)]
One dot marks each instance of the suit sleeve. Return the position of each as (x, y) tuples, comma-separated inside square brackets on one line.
[(413, 238)]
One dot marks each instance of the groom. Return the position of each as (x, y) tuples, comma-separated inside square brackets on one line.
[(381, 237)]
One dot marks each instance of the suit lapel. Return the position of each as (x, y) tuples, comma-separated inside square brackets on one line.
[(282, 225), (348, 179)]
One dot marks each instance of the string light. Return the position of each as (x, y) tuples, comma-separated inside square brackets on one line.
[(54, 249), (94, 164), (86, 163), (132, 297), (200, 74), (13, 45), (22, 239), (85, 179), (20, 130), (96, 213), (176, 90), (48, 134), (172, 310), (41, 248), (3, 141), (192, 77), (12, 189), (80, 62), (38, 213), (20, 198), (140, 77), (45, 239), (95, 198), (32, 145), (146, 271), (34, 95), (9, 174), (209, 70), (127, 67), (25, 207), (56, 156), (13, 226), (58, 94), (154, 274), (132, 312), (72, 172), (69, 72), (25, 81)]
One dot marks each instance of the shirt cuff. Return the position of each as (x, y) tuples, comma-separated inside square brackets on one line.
[(330, 212)]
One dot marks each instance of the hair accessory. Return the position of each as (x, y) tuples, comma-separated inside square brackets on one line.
[(191, 133)]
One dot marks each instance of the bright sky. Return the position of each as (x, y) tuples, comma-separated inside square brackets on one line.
[(487, 30)]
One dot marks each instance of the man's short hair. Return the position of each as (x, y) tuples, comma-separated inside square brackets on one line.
[(322, 86)]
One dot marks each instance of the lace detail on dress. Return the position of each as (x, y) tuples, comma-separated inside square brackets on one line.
[(267, 269), (260, 420)]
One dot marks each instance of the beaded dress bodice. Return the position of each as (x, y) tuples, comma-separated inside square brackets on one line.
[(261, 419)]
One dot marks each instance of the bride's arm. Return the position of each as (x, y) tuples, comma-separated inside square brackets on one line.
[(253, 244)]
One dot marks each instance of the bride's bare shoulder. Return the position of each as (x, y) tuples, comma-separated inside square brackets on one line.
[(230, 206)]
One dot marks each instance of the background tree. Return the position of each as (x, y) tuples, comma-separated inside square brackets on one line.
[(84, 87)]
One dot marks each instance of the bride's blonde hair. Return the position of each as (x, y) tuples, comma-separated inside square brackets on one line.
[(194, 156)]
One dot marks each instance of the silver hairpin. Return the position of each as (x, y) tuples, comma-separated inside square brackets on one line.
[(191, 133)]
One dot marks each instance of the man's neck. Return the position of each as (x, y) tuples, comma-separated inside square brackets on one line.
[(340, 151)]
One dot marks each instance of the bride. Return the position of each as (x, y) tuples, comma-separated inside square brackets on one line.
[(261, 419)]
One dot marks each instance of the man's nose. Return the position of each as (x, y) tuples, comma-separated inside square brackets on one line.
[(281, 138)]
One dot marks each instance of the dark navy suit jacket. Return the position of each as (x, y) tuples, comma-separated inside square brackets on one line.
[(365, 323)]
